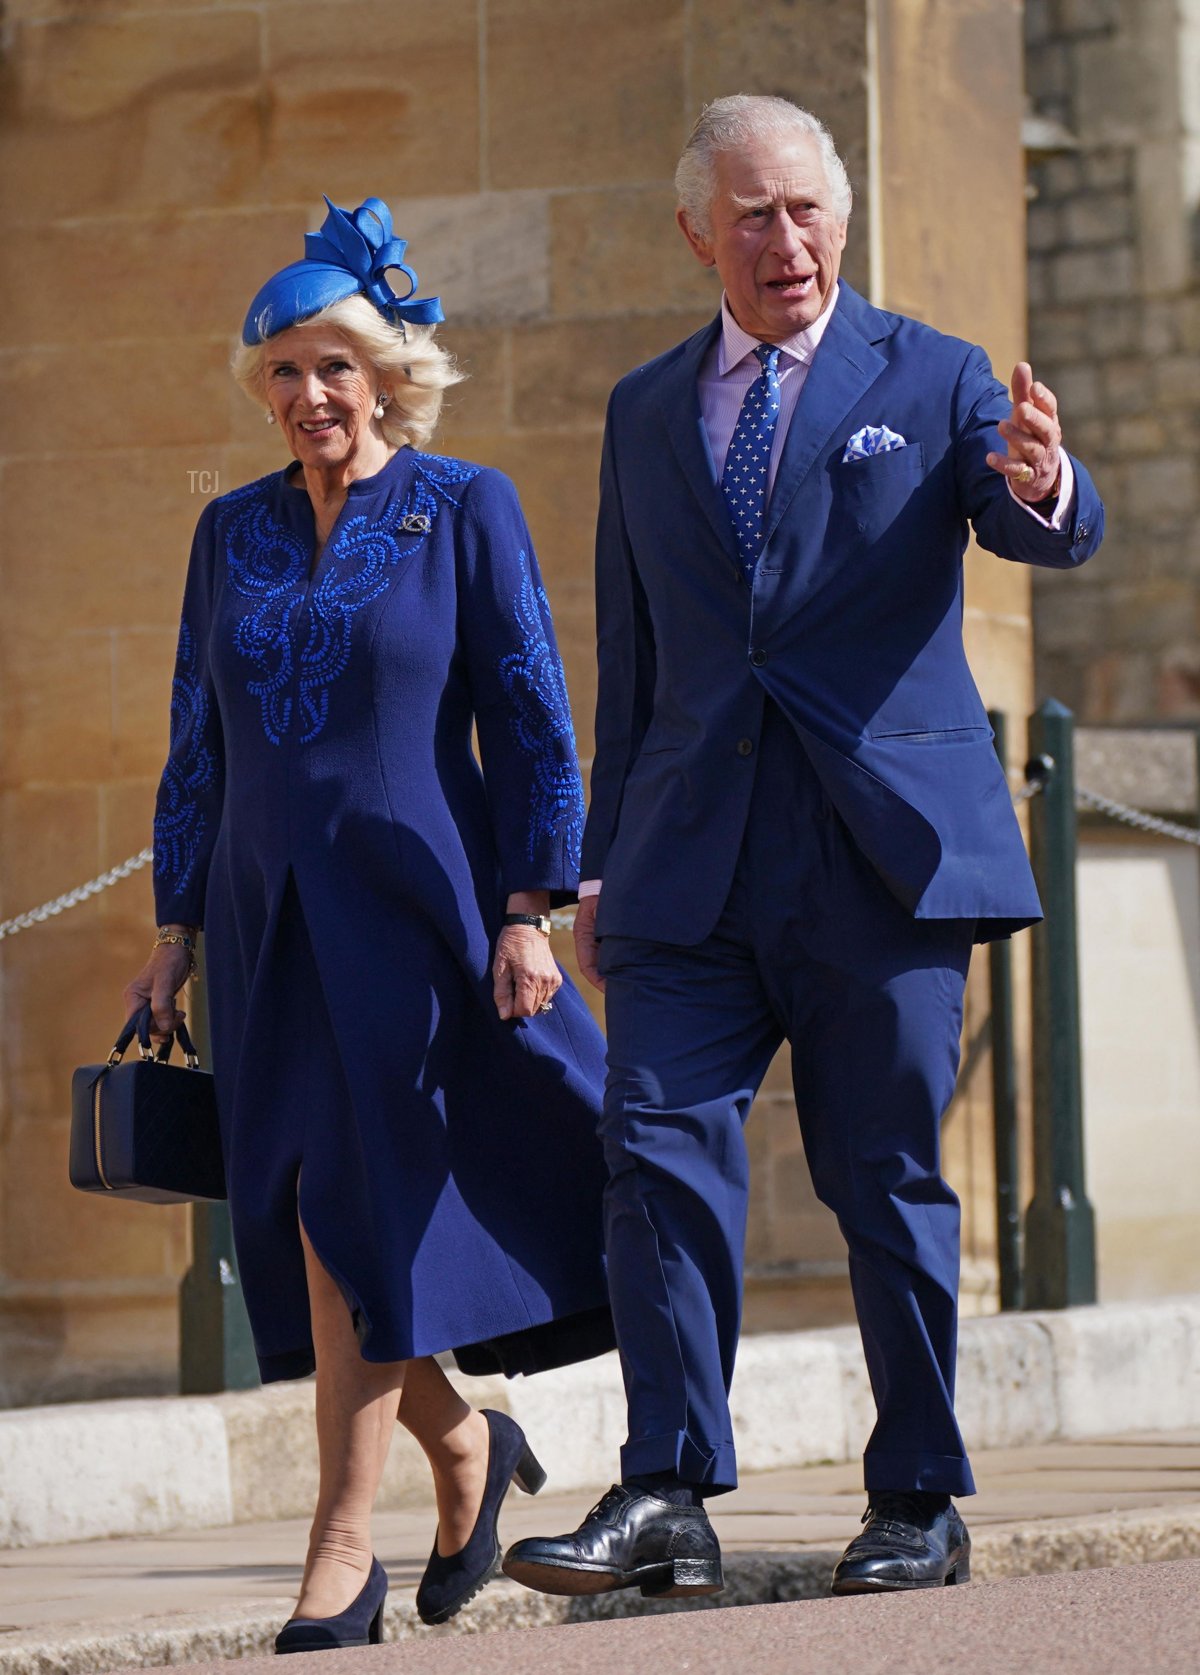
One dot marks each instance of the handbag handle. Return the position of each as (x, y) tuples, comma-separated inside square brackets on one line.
[(139, 1025)]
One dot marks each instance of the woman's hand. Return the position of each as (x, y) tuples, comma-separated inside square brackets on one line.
[(526, 977), (159, 981)]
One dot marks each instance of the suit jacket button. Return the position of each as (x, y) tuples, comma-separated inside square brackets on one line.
[(1081, 532), (745, 747), (758, 657)]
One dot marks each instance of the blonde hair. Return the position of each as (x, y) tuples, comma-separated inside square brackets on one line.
[(415, 368)]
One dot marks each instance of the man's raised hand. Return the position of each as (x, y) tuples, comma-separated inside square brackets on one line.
[(1034, 436)]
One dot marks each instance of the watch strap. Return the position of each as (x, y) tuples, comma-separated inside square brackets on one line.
[(538, 921)]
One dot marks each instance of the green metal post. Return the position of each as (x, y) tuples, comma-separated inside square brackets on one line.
[(1004, 1095), (1060, 1225), (216, 1350)]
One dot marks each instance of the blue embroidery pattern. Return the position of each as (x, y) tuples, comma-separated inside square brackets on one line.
[(428, 493), (179, 823), (268, 566), (541, 724)]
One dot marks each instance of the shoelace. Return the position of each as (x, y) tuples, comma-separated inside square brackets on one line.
[(893, 1510), (609, 1501)]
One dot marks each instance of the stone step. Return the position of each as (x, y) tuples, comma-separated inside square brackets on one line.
[(103, 1469), (100, 1607)]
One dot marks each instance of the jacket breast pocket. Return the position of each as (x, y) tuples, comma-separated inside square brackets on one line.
[(871, 494)]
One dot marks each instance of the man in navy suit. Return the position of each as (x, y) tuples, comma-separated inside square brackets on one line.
[(798, 829)]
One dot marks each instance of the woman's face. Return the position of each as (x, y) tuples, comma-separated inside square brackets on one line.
[(322, 394)]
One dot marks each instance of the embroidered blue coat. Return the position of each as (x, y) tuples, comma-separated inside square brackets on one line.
[(322, 814)]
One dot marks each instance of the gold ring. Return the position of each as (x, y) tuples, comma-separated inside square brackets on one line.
[(1025, 474)]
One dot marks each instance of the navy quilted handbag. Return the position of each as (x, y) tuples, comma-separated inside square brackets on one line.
[(147, 1129)]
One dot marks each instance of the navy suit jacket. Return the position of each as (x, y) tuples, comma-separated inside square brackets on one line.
[(853, 626)]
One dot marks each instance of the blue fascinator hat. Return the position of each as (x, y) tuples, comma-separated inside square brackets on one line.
[(349, 256)]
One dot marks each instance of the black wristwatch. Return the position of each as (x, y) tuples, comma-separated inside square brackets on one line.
[(538, 921)]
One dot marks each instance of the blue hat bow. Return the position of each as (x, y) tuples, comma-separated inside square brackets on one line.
[(363, 244), (352, 254)]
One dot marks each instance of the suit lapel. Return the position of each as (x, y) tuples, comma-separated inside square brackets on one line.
[(844, 367), (679, 400)]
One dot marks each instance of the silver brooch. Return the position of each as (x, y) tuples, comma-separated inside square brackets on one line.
[(415, 523)]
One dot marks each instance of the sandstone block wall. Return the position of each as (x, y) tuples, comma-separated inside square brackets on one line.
[(1114, 291), (157, 160)]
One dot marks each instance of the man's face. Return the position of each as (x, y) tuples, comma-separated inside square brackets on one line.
[(775, 240)]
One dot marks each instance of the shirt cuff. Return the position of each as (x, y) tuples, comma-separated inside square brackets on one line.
[(1066, 490), (589, 887)]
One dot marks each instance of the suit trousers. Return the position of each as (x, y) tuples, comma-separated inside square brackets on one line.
[(812, 948)]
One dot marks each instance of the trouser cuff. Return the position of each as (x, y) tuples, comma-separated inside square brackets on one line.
[(712, 1469), (938, 1474)]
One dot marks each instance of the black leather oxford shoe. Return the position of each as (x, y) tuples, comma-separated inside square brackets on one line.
[(630, 1539), (904, 1546)]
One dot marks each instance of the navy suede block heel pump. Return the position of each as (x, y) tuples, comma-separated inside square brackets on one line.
[(360, 1624), (448, 1583)]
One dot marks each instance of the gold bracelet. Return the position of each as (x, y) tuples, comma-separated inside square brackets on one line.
[(179, 940)]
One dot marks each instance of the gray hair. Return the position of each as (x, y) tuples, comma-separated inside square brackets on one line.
[(731, 122), (417, 369)]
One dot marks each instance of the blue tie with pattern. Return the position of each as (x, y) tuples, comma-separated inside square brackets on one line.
[(744, 479)]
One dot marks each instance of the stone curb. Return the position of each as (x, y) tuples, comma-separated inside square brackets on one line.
[(92, 1470), (1041, 1548)]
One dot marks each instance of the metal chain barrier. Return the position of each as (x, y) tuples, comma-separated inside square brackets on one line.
[(1137, 817), (72, 898), (563, 917), (1027, 792)]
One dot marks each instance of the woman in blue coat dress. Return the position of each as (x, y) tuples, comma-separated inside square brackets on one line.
[(408, 1086)]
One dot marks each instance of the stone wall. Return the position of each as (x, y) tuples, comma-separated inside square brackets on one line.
[(1114, 236), (156, 162)]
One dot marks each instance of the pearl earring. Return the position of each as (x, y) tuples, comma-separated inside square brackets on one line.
[(269, 416), (380, 404)]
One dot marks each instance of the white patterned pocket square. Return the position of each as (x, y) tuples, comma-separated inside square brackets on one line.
[(872, 439)]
